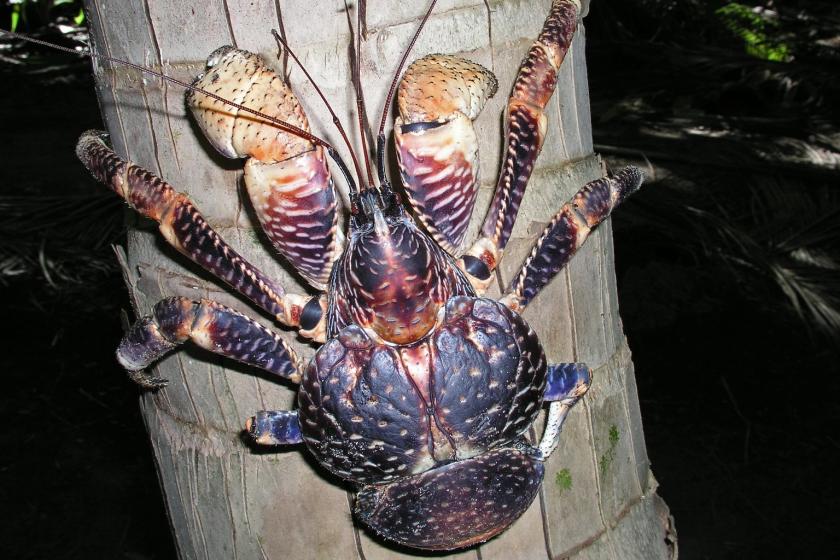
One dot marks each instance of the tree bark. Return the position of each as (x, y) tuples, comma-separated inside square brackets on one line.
[(226, 500)]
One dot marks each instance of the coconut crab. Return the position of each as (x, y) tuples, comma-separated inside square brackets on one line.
[(423, 389)]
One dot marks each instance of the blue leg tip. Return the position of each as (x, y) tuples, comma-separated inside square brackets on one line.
[(565, 381)]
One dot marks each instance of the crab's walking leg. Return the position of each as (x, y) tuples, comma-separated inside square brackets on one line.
[(565, 385), (567, 231), (185, 228), (209, 325), (275, 427), (286, 176), (525, 126)]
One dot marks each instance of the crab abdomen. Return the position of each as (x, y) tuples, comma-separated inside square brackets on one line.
[(456, 505), (373, 412)]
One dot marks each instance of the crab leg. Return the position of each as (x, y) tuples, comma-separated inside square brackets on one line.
[(525, 127), (183, 226), (275, 427), (286, 176), (209, 325), (565, 385), (567, 231)]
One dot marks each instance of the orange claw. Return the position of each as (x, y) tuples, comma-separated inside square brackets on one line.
[(438, 98), (286, 176)]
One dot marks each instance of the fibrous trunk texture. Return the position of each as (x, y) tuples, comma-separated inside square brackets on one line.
[(224, 499)]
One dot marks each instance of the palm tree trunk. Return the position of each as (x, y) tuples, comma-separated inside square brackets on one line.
[(226, 500)]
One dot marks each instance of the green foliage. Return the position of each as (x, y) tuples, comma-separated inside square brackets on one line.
[(563, 480), (753, 29), (15, 17), (608, 457), (33, 14)]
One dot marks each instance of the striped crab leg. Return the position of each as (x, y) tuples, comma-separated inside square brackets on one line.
[(567, 231), (209, 325), (525, 131), (286, 176), (183, 226)]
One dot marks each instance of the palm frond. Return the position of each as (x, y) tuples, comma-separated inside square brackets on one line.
[(774, 239), (62, 241)]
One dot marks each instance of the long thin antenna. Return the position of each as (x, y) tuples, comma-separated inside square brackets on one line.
[(365, 130), (336, 121), (355, 60), (290, 128), (380, 137)]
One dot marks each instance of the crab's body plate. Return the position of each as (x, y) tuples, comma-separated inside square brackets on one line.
[(373, 412), (392, 278)]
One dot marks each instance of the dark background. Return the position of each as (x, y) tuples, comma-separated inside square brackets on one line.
[(727, 260)]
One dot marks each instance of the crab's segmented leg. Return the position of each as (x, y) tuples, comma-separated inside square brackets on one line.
[(183, 226), (275, 427), (565, 385), (286, 176), (567, 231), (209, 325), (525, 127), (437, 148)]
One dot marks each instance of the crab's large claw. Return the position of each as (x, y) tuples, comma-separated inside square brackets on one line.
[(286, 176), (439, 97), (456, 505)]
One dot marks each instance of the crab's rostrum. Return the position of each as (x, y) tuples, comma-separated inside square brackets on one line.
[(423, 390)]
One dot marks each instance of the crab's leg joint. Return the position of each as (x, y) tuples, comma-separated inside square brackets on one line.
[(565, 385), (209, 325), (184, 227), (275, 427)]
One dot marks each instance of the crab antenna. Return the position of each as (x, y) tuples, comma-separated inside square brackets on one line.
[(380, 137), (355, 56), (336, 121), (282, 125)]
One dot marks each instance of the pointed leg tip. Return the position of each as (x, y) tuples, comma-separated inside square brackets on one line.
[(630, 180), (567, 382), (148, 382)]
